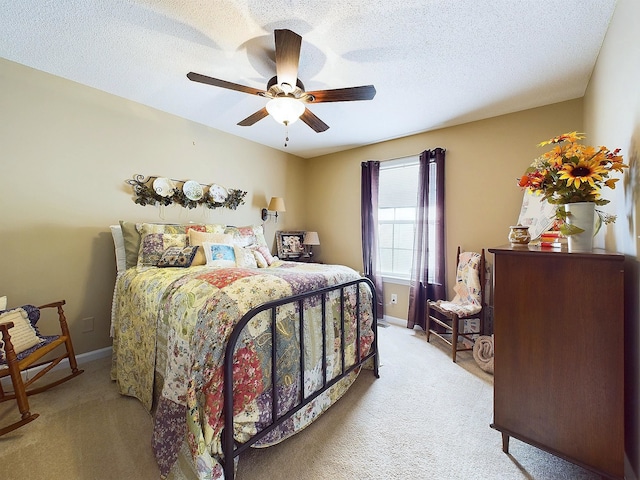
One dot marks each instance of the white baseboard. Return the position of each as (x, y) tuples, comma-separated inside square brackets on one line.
[(395, 320), (81, 359), (93, 355)]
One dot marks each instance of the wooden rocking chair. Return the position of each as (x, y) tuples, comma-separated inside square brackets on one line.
[(14, 364)]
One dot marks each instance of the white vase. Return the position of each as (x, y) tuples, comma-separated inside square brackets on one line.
[(582, 215)]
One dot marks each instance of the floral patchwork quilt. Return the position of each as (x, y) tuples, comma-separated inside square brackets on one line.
[(171, 327)]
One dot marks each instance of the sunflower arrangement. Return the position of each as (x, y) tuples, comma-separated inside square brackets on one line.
[(572, 172)]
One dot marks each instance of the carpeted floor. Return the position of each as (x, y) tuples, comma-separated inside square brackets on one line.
[(424, 418)]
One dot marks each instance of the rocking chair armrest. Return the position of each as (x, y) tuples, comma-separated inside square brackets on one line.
[(59, 303), (5, 326), (64, 327)]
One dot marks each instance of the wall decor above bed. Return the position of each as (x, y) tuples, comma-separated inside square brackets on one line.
[(188, 193)]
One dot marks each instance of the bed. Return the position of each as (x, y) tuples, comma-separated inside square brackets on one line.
[(202, 338)]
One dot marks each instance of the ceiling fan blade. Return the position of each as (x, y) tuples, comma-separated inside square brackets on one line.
[(365, 92), (287, 57), (253, 118), (196, 77), (314, 122)]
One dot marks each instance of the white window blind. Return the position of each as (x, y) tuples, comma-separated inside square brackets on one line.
[(397, 199)]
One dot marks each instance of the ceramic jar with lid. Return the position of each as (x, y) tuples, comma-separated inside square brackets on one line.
[(519, 235)]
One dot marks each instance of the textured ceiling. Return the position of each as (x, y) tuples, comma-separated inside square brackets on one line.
[(434, 63)]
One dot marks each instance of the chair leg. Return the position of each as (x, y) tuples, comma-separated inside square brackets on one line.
[(65, 331), (454, 337), (70, 354), (18, 387)]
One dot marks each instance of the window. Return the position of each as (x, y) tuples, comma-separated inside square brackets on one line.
[(397, 199)]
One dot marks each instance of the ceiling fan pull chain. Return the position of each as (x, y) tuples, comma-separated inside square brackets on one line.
[(286, 139)]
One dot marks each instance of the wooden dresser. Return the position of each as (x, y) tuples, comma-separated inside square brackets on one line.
[(559, 336)]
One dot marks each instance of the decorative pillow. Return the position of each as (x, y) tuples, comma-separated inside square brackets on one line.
[(260, 260), (245, 236), (219, 254), (197, 238), (245, 257), (3, 303), (266, 254), (131, 238), (155, 239), (178, 256), (23, 335)]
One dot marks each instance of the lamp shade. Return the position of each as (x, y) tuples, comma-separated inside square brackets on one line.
[(311, 238), (285, 110), (276, 205)]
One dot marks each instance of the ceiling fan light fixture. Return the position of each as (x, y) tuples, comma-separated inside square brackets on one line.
[(285, 110), (286, 91)]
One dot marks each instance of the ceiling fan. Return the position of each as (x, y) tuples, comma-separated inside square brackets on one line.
[(286, 94)]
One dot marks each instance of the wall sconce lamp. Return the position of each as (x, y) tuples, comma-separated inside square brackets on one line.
[(275, 205), (310, 239)]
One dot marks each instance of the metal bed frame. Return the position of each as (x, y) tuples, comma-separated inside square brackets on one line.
[(230, 448)]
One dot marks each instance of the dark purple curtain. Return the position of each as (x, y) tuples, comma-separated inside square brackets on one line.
[(427, 271), (369, 210)]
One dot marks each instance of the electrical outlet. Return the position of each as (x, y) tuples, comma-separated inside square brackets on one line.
[(394, 298), (87, 325)]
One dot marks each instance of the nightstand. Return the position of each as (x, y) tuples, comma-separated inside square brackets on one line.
[(305, 259)]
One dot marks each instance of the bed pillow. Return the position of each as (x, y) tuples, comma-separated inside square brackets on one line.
[(219, 254), (178, 256), (245, 236), (118, 243), (197, 238), (3, 303), (201, 227), (131, 239), (214, 228), (23, 335)]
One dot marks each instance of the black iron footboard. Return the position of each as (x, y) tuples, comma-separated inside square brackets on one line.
[(230, 449)]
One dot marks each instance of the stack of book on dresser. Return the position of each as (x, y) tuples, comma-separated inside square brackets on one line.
[(552, 239)]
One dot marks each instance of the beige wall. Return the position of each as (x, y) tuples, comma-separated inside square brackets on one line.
[(66, 152), (483, 161), (612, 118)]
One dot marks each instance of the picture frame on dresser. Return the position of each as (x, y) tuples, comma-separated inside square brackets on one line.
[(290, 244)]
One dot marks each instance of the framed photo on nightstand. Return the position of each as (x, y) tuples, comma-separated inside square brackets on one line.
[(290, 244)]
